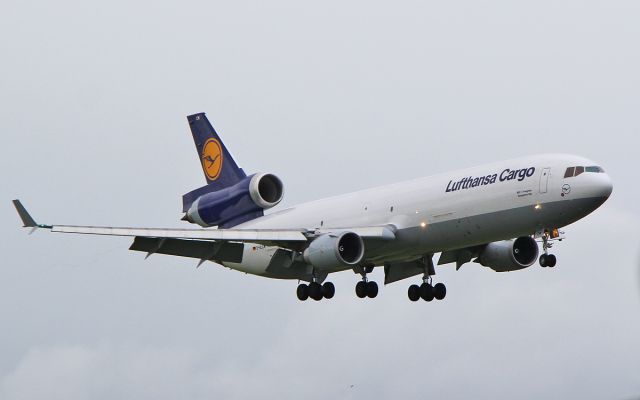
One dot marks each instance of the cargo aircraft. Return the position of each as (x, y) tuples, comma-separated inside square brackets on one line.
[(494, 215)]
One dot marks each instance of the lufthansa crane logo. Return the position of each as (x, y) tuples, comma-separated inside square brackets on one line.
[(212, 159)]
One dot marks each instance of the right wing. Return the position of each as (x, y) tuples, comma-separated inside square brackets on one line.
[(205, 244), (278, 237)]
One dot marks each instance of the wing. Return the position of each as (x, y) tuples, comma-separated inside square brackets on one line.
[(197, 243), (259, 236)]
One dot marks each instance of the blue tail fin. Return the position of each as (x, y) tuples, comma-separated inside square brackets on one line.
[(220, 169), (218, 166)]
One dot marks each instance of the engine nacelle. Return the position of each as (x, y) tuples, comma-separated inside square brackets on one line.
[(235, 204), (334, 250), (266, 190), (510, 255)]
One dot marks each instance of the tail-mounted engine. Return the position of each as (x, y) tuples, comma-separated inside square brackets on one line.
[(235, 204), (510, 255), (332, 251)]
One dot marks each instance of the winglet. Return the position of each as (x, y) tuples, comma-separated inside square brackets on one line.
[(27, 220)]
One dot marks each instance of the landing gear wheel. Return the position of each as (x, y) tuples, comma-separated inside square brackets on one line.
[(439, 291), (414, 292), (426, 292), (361, 289), (551, 261), (328, 290), (315, 291), (548, 260), (302, 292), (372, 289), (543, 260)]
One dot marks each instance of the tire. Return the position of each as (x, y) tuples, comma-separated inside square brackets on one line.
[(315, 291), (302, 292), (372, 289), (543, 260), (426, 292), (414, 292), (439, 291), (361, 289), (551, 261), (328, 290)]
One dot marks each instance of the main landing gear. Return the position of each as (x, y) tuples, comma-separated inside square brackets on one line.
[(315, 291), (427, 291), (366, 288), (546, 259)]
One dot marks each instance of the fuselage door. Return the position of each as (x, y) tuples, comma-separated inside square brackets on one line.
[(544, 180)]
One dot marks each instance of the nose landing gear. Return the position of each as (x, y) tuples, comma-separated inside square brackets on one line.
[(546, 259)]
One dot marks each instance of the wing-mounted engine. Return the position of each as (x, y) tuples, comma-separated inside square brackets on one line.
[(234, 204), (334, 251), (510, 255)]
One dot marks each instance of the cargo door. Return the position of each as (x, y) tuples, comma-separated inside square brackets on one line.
[(544, 180)]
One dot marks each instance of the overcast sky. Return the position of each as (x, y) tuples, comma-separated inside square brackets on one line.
[(331, 96)]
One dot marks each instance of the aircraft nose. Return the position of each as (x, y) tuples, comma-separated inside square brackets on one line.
[(604, 185)]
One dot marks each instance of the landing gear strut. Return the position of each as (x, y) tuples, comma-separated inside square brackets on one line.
[(366, 288), (546, 259)]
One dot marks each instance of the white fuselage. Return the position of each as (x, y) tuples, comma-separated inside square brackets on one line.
[(448, 211)]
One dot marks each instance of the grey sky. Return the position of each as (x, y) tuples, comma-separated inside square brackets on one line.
[(332, 97)]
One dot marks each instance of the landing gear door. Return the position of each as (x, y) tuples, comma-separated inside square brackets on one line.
[(544, 180)]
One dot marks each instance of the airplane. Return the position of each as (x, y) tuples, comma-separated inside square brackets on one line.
[(495, 215)]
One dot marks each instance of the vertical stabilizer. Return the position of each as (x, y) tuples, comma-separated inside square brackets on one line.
[(220, 169)]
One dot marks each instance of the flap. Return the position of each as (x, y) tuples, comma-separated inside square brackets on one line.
[(200, 249)]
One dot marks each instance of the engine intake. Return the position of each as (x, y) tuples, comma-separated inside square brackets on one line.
[(510, 255), (332, 251), (266, 190)]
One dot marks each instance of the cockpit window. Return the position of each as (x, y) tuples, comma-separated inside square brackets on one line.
[(569, 172), (575, 171)]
